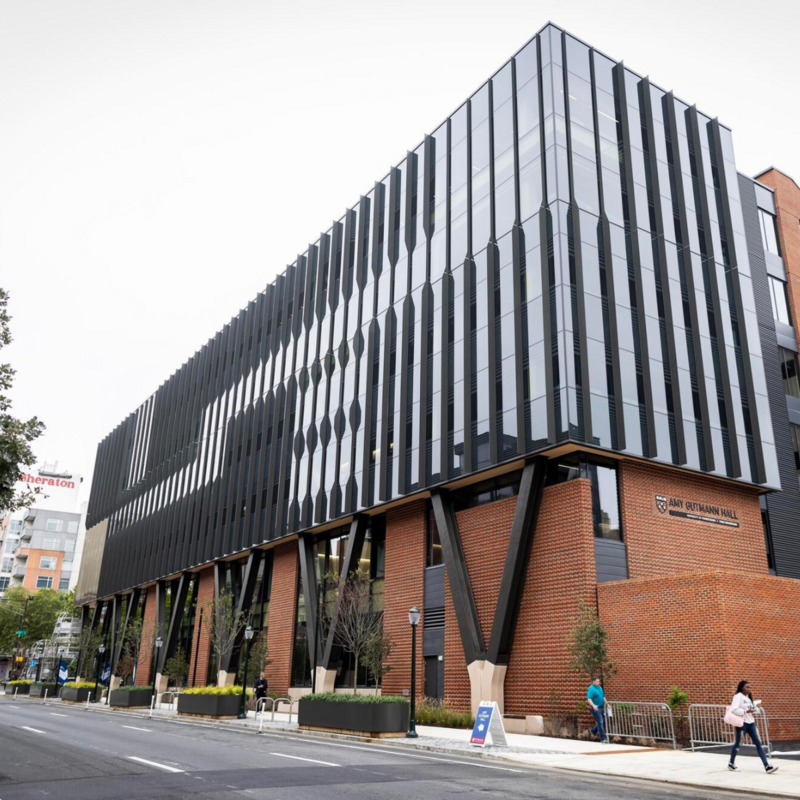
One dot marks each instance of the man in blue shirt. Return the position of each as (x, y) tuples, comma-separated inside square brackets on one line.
[(597, 701)]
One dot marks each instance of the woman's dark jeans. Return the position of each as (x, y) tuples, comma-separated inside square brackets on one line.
[(752, 731), (599, 727)]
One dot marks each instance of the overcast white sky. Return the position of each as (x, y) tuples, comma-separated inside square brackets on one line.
[(161, 161)]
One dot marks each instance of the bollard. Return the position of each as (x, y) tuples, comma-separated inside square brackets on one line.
[(88, 700), (16, 689), (152, 703), (45, 697)]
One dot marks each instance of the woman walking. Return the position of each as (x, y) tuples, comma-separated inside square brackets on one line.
[(744, 706)]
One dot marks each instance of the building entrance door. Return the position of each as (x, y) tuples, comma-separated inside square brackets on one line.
[(432, 676)]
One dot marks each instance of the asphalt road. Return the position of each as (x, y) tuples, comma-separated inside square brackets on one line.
[(72, 754)]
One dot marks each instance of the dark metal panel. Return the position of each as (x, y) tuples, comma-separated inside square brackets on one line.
[(177, 606), (463, 600), (434, 587), (519, 546), (611, 560), (308, 576)]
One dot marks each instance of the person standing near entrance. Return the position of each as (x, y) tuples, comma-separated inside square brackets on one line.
[(260, 688), (597, 702), (744, 706)]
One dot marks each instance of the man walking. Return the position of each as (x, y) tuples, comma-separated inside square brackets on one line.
[(597, 701)]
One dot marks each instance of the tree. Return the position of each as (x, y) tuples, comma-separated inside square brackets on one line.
[(12, 607), (138, 638), (226, 623), (90, 641), (357, 624), (36, 614), (257, 662), (588, 646), (377, 653), (15, 436), (177, 667), (677, 701)]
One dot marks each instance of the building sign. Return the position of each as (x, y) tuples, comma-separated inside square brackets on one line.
[(699, 512), (47, 480)]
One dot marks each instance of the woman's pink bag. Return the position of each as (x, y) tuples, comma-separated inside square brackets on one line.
[(733, 719)]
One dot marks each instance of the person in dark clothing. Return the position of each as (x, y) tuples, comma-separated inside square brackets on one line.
[(261, 686)]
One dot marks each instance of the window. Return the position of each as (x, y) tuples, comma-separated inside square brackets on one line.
[(47, 562), (605, 502), (72, 527), (55, 525), (63, 585), (780, 300), (486, 492), (44, 582), (15, 526), (51, 544), (12, 545), (796, 447), (4, 583), (768, 232), (7, 564), (791, 383), (434, 543)]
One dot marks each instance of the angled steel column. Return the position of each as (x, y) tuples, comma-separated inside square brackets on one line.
[(243, 604), (176, 616), (308, 575), (130, 613)]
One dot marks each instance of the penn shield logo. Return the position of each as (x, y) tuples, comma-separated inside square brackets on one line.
[(661, 503)]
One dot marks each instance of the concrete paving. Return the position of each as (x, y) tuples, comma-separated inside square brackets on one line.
[(74, 754)]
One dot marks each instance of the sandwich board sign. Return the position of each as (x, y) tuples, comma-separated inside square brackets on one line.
[(488, 721)]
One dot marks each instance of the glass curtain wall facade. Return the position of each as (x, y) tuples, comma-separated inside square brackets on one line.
[(562, 260)]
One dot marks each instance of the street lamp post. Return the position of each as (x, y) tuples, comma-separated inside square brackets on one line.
[(100, 651), (413, 619), (248, 635), (157, 644)]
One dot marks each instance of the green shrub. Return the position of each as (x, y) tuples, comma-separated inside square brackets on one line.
[(19, 683), (355, 698), (221, 691), (436, 712), (46, 684), (79, 685), (134, 689)]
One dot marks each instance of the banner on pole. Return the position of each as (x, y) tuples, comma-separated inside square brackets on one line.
[(62, 672)]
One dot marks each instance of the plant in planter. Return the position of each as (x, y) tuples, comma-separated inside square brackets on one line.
[(373, 715), (226, 624), (131, 696), (177, 668), (77, 691), (18, 687), (211, 701), (39, 688)]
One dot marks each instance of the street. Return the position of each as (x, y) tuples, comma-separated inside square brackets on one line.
[(72, 754)]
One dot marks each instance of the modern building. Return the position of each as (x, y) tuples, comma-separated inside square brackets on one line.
[(534, 365), (41, 543)]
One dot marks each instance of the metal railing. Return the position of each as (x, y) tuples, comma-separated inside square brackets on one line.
[(172, 696), (640, 721), (262, 701), (707, 727)]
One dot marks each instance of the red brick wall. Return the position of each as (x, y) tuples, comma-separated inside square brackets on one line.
[(560, 571), (484, 534), (660, 544), (282, 611), (143, 676), (198, 676), (704, 631), (787, 204), (404, 587)]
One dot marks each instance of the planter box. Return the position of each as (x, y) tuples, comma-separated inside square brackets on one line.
[(20, 690), (372, 719), (209, 705), (38, 691), (131, 698), (73, 695)]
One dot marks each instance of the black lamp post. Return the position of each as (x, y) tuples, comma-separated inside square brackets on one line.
[(158, 642), (413, 619), (248, 635), (100, 651)]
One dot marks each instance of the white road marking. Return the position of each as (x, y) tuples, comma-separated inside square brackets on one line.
[(35, 730), (785, 753), (394, 751), (58, 715), (154, 764), (131, 728), (312, 760)]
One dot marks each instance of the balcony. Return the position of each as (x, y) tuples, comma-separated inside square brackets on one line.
[(18, 571), (26, 533), (22, 552)]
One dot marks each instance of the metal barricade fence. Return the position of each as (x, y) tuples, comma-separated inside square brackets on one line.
[(707, 727), (640, 721), (274, 700)]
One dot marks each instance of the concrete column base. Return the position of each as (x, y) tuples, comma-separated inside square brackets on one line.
[(224, 678), (114, 683), (324, 680), (487, 682), (160, 686)]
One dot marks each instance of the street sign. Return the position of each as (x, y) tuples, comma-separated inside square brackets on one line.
[(33, 662), (21, 633), (488, 720), (20, 658)]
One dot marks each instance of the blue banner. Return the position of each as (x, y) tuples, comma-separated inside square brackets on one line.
[(482, 721), (62, 672), (106, 673)]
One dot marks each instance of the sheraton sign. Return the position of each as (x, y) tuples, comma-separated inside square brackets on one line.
[(47, 481), (699, 512)]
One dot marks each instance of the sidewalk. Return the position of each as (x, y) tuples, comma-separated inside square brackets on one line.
[(676, 767)]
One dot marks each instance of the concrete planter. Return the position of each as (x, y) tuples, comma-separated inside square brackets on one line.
[(20, 690), (130, 698), (69, 694), (38, 691), (372, 719), (209, 705)]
